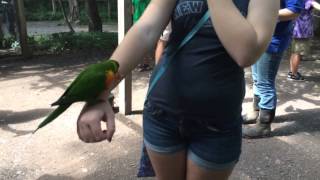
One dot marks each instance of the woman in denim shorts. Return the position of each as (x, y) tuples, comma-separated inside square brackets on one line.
[(192, 117)]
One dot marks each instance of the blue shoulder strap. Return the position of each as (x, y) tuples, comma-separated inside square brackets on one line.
[(189, 36)]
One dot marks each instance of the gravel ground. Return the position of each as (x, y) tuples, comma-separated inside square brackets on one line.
[(55, 152), (49, 27)]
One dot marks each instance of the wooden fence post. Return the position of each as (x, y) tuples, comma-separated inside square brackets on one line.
[(125, 87)]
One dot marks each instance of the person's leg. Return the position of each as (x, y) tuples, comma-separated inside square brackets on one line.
[(252, 114), (294, 63), (293, 56), (297, 49), (194, 172), (165, 146), (168, 166), (213, 151), (267, 66), (162, 43), (159, 50), (254, 71), (301, 47)]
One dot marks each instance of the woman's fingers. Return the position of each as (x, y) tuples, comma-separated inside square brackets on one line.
[(84, 133), (91, 132), (89, 123), (110, 119), (97, 132)]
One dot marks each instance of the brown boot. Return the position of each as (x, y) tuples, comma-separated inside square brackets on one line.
[(251, 117), (263, 126)]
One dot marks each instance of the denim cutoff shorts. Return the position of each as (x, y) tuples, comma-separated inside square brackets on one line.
[(207, 146)]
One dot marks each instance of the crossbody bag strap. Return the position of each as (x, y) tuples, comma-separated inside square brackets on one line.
[(164, 66)]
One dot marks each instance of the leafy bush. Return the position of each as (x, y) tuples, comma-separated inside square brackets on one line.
[(44, 16), (6, 42), (62, 42), (42, 11)]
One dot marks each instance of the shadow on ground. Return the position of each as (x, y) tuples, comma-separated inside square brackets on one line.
[(298, 121), (53, 70), (9, 117)]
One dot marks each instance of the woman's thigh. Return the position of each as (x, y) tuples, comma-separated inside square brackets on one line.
[(165, 146), (195, 172), (212, 152), (168, 166)]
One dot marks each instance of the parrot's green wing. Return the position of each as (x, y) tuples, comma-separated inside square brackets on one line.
[(60, 100), (87, 86)]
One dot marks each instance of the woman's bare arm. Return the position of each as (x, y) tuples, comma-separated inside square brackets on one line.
[(144, 35), (141, 38), (245, 39), (287, 15)]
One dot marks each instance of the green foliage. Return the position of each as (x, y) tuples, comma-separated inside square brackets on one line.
[(6, 42), (43, 16), (103, 15), (42, 11), (62, 42)]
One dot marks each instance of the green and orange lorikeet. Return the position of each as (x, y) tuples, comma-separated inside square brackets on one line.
[(88, 85)]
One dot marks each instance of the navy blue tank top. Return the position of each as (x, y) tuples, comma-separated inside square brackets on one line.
[(202, 80)]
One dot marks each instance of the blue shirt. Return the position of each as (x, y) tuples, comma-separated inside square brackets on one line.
[(283, 32), (202, 81)]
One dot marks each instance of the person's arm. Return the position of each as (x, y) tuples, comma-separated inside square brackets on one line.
[(159, 50), (292, 10), (245, 39), (143, 36), (315, 5), (287, 15), (140, 39)]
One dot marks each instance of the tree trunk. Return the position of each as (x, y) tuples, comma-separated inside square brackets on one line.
[(1, 32), (95, 23), (65, 16), (22, 28), (11, 18), (74, 13), (109, 9), (54, 9)]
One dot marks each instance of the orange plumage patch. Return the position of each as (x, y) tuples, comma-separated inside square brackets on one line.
[(109, 78)]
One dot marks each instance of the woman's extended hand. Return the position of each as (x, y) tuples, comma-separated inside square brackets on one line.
[(89, 123)]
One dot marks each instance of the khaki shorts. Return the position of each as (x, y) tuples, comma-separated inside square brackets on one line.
[(301, 46)]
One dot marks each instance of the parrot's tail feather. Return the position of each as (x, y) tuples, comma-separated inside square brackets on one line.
[(52, 116), (58, 102), (54, 104)]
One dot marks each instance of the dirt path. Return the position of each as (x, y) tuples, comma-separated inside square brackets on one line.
[(49, 27), (56, 153)]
